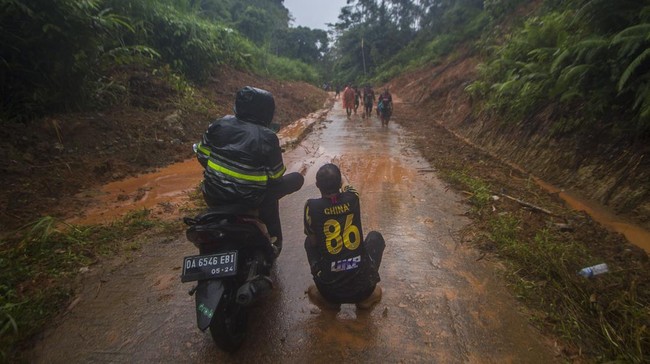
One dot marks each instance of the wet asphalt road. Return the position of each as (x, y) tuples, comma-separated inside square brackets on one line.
[(440, 304)]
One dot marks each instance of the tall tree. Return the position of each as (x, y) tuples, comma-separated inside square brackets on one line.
[(305, 44), (260, 20)]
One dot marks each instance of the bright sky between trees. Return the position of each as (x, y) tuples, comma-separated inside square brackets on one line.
[(314, 13)]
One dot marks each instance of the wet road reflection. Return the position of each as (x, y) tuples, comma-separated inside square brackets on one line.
[(440, 304)]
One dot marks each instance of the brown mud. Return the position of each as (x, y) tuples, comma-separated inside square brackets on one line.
[(164, 190), (45, 163), (613, 173)]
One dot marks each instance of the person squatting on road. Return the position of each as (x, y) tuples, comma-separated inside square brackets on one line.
[(345, 267), (243, 161)]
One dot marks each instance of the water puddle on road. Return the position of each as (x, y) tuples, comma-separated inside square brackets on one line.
[(633, 233), (164, 189)]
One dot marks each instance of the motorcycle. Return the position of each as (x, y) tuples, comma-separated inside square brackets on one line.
[(232, 270)]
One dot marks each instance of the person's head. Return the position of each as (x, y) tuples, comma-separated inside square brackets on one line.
[(328, 179), (254, 105)]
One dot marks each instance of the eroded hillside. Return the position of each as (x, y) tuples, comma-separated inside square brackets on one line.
[(45, 162), (612, 172)]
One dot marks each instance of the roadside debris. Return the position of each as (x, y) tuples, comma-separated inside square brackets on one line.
[(594, 270)]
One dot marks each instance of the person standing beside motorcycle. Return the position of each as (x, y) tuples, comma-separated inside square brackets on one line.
[(243, 160), (344, 265)]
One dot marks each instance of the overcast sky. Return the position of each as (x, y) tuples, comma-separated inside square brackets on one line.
[(314, 13)]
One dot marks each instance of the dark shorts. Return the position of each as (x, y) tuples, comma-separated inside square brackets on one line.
[(363, 284)]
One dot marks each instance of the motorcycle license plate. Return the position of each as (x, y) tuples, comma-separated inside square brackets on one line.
[(199, 267)]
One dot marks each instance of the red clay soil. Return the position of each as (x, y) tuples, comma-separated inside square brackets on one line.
[(45, 161)]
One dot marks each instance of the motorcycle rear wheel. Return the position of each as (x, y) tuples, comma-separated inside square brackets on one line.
[(228, 326)]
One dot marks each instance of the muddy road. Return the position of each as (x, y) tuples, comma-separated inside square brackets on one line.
[(441, 304)]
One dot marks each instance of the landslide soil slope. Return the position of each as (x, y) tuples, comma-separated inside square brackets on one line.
[(434, 106), (613, 172), (45, 162)]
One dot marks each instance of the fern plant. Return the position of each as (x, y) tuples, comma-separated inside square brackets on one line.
[(570, 60)]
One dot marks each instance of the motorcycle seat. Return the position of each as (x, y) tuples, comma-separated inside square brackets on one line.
[(221, 213), (233, 209)]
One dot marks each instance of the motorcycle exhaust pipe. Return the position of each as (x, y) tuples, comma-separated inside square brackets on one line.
[(253, 290)]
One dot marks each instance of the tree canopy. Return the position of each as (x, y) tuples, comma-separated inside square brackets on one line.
[(69, 54)]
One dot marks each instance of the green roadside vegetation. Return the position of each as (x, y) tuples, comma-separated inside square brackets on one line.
[(586, 63), (72, 55), (42, 261), (39, 264), (604, 318)]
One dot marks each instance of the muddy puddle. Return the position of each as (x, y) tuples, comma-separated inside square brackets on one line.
[(635, 234), (164, 190), (161, 191)]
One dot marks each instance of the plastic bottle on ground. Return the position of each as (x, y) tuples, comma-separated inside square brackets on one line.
[(594, 270)]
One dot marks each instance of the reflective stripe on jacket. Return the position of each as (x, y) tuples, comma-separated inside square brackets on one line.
[(240, 159)]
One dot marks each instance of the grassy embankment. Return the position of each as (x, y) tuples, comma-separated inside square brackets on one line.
[(605, 317)]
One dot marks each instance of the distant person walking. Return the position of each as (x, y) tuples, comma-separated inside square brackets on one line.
[(357, 99), (368, 100), (348, 100), (385, 106), (338, 91)]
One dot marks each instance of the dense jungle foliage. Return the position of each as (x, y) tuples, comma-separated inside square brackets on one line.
[(586, 62), (62, 55)]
